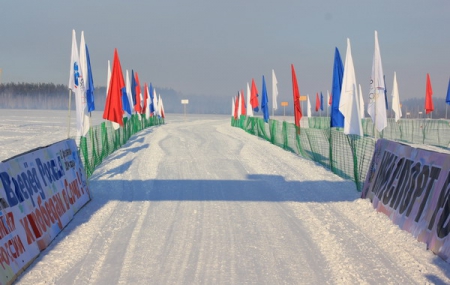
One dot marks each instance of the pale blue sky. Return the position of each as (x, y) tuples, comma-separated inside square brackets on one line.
[(216, 47)]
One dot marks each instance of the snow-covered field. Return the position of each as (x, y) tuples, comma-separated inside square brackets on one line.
[(197, 201)]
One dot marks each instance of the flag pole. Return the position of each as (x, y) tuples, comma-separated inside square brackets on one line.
[(68, 116)]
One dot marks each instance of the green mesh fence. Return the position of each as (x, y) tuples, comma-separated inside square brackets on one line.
[(103, 139), (348, 156)]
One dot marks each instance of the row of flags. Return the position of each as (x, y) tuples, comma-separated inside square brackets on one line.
[(123, 97), (346, 98)]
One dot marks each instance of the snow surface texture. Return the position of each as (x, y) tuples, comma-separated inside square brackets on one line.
[(197, 201)]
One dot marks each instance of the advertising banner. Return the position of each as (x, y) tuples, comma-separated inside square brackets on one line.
[(411, 186), (40, 192)]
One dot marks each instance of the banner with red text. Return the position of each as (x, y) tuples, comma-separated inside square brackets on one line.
[(411, 186), (40, 192)]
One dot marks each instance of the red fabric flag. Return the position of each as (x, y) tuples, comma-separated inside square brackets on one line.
[(236, 107), (113, 106), (330, 100), (254, 97), (296, 98), (243, 108), (317, 102), (137, 107), (429, 107), (145, 98)]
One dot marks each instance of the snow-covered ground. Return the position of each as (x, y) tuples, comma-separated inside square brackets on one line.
[(197, 201)]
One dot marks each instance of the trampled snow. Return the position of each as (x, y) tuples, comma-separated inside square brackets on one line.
[(196, 201)]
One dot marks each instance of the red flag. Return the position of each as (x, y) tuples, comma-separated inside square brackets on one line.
[(317, 102), (236, 107), (113, 106), (330, 100), (254, 97), (429, 107), (145, 98), (243, 108), (137, 107), (296, 95)]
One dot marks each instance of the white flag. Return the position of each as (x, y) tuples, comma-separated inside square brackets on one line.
[(361, 102), (129, 94), (396, 107), (249, 105), (377, 103), (232, 107), (274, 91), (147, 108), (155, 102), (80, 96), (349, 102), (108, 77), (308, 108), (239, 101)]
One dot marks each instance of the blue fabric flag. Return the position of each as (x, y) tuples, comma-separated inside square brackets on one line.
[(447, 99), (337, 119), (133, 87), (90, 80), (321, 101), (265, 102), (125, 102), (152, 108)]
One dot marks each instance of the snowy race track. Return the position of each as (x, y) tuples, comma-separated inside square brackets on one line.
[(197, 201)]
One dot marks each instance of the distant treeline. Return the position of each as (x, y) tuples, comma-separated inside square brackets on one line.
[(56, 97)]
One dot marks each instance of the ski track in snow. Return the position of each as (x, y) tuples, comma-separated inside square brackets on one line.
[(197, 201)]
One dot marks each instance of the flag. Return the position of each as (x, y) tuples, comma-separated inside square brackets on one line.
[(274, 91), (296, 98), (429, 107), (396, 107), (113, 106), (146, 109), (76, 84), (151, 105), (265, 101), (108, 77), (161, 107), (377, 103), (447, 99), (308, 107), (155, 102), (236, 108), (125, 100), (133, 87), (337, 119), (361, 102), (89, 84), (385, 92), (349, 101), (317, 102), (232, 108), (254, 97), (243, 107), (321, 101), (238, 101), (249, 98), (138, 104), (128, 108)]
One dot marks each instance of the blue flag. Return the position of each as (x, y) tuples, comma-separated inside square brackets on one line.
[(125, 102), (447, 99), (90, 81), (265, 102), (133, 87), (152, 107), (321, 101), (337, 119)]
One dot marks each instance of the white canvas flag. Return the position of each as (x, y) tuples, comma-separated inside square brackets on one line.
[(239, 102), (80, 96), (128, 90), (308, 108), (147, 108), (155, 102), (274, 91), (349, 102), (361, 102), (396, 107), (249, 105), (377, 103)]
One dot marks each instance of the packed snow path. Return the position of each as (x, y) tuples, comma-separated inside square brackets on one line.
[(201, 202)]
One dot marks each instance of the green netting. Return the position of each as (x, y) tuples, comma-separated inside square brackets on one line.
[(348, 156), (103, 139)]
